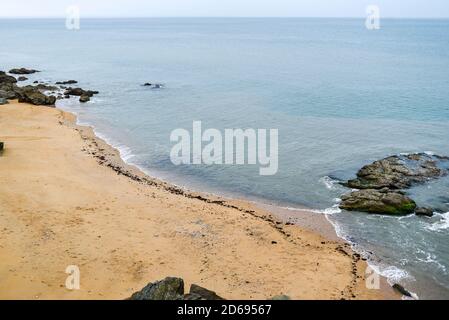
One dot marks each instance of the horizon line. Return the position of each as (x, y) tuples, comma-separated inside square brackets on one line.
[(223, 17)]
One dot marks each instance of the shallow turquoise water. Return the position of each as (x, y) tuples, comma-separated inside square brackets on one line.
[(340, 95)]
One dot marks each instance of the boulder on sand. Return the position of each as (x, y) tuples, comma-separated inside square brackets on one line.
[(30, 94), (2, 145), (3, 101), (173, 289), (382, 201), (199, 293)]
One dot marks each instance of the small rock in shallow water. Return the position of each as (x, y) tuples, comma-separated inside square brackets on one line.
[(22, 78), (84, 98), (423, 211), (80, 92), (402, 290)]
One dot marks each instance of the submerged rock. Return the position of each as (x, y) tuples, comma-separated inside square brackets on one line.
[(168, 289), (378, 201), (398, 172), (22, 71), (153, 85), (22, 78), (67, 82)]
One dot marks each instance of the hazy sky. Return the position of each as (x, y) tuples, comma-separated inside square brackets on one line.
[(231, 8)]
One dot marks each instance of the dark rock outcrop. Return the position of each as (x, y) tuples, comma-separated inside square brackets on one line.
[(22, 71), (380, 182), (173, 289), (398, 172), (168, 289), (22, 78), (30, 94), (4, 78), (2, 145), (423, 211), (382, 201)]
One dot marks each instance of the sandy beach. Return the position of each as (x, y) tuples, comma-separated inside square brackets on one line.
[(66, 198)]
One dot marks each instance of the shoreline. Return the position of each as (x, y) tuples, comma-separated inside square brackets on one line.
[(288, 237)]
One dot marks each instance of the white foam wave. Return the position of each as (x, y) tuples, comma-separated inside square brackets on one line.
[(328, 182), (442, 224)]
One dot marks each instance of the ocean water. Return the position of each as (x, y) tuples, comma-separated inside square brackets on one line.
[(340, 95)]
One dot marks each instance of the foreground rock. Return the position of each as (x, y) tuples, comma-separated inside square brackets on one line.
[(22, 71), (398, 172), (173, 289), (200, 293), (167, 289), (3, 101), (2, 145), (382, 201)]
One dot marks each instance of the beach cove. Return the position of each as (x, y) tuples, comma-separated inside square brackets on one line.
[(67, 198)]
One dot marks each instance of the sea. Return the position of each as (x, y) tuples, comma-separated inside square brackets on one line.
[(339, 94)]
